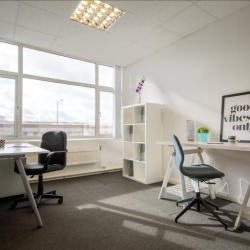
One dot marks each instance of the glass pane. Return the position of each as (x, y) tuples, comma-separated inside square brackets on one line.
[(59, 67), (52, 106), (107, 111), (106, 76), (8, 57), (7, 106)]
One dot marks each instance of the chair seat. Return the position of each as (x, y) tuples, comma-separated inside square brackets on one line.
[(37, 168), (202, 172)]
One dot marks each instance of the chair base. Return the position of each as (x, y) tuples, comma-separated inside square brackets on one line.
[(40, 195), (199, 201)]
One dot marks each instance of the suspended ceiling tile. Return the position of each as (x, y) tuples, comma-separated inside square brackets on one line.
[(123, 61), (131, 27), (8, 11), (39, 20), (146, 9), (67, 46), (169, 10), (62, 8), (123, 5), (76, 31), (104, 41), (222, 8), (189, 21), (95, 54), (159, 38), (6, 30), (33, 37), (136, 51)]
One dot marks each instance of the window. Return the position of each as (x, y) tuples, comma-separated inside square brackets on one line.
[(7, 106), (8, 57), (58, 67), (106, 112), (106, 76), (53, 92), (51, 106)]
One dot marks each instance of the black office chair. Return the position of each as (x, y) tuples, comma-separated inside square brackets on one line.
[(198, 173), (56, 143)]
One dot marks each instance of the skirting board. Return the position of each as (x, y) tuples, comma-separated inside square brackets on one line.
[(74, 175), (225, 196)]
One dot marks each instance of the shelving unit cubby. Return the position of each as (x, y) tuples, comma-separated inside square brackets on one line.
[(146, 132)]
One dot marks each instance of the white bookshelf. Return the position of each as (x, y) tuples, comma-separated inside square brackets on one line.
[(145, 133)]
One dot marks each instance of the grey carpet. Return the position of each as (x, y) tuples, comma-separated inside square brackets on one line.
[(108, 211)]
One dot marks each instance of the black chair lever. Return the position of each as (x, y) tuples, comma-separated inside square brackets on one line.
[(210, 182)]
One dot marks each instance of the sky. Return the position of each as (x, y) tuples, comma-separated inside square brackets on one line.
[(40, 97)]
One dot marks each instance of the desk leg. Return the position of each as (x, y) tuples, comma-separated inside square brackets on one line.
[(242, 208), (29, 191), (166, 178), (212, 193)]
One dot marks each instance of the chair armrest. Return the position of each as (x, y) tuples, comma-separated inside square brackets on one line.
[(47, 159)]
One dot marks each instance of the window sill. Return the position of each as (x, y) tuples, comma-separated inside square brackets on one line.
[(69, 139)]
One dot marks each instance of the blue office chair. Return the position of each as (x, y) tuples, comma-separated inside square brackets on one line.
[(198, 173), (56, 143)]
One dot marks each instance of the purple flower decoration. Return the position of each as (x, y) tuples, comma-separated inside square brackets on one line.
[(140, 85)]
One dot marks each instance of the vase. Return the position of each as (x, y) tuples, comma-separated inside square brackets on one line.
[(139, 97), (202, 137)]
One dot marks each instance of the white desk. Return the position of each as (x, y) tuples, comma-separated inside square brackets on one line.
[(224, 146), (16, 151)]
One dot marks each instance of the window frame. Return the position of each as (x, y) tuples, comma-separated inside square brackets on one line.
[(15, 106), (19, 76)]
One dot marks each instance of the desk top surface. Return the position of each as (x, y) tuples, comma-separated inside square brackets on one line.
[(21, 149), (211, 145)]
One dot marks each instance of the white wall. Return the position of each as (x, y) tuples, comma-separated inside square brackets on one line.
[(190, 77), (111, 157)]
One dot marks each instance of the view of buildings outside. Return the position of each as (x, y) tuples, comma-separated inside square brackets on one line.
[(49, 105)]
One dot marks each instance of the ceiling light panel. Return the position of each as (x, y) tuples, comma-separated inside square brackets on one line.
[(97, 14)]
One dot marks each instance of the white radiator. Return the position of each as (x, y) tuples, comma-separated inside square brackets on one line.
[(80, 156), (75, 156), (31, 158)]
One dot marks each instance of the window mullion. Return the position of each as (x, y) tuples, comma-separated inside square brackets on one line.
[(97, 101), (19, 100)]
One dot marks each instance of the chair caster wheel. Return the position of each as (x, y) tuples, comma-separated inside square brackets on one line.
[(13, 205), (175, 220), (60, 201)]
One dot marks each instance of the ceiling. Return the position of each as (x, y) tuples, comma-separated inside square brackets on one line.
[(146, 27)]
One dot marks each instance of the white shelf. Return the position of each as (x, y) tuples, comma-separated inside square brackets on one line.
[(128, 150), (177, 189), (126, 132), (142, 180), (139, 133), (139, 161), (128, 159), (146, 131), (128, 115)]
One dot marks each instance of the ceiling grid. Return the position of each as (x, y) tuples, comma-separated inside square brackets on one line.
[(146, 27)]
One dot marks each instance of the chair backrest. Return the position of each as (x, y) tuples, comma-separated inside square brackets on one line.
[(179, 158), (54, 141)]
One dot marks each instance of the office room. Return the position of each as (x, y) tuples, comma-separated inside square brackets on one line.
[(124, 124)]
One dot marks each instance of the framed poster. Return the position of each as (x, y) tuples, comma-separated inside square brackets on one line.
[(235, 117)]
